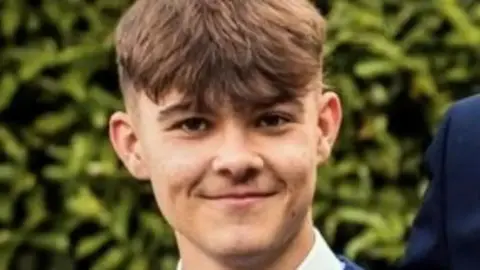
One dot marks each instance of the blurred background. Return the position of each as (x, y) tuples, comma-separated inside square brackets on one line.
[(67, 203)]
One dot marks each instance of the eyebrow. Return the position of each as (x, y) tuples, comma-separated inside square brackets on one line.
[(295, 102), (186, 106), (176, 108)]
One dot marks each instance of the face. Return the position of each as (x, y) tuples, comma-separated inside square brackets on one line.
[(229, 183)]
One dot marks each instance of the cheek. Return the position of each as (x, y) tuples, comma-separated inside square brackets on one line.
[(294, 163), (175, 169)]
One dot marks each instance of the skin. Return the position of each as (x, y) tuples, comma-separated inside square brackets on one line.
[(193, 159)]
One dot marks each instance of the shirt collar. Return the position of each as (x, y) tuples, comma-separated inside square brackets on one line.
[(319, 257)]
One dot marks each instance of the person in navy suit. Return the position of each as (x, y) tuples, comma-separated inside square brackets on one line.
[(227, 118), (446, 232)]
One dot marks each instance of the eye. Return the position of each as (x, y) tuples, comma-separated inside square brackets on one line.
[(193, 124), (272, 120)]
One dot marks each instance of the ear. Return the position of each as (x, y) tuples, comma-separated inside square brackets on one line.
[(127, 146), (329, 122)]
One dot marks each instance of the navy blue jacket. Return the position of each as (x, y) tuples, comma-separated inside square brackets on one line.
[(446, 232)]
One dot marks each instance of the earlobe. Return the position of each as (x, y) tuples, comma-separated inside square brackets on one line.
[(126, 145), (329, 122)]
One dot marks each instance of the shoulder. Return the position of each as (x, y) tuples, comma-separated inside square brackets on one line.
[(463, 122), (470, 102), (459, 128), (466, 108)]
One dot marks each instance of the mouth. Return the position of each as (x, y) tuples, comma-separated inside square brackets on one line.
[(239, 200)]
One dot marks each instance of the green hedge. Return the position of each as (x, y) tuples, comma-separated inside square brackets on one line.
[(66, 203)]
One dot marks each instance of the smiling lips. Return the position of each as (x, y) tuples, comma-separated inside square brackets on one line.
[(240, 198)]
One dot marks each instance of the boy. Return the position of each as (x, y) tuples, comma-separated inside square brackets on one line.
[(226, 117)]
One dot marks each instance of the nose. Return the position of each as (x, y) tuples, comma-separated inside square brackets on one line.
[(235, 158)]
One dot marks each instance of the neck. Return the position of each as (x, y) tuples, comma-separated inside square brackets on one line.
[(289, 254)]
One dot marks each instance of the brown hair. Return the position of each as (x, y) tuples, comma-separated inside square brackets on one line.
[(251, 52)]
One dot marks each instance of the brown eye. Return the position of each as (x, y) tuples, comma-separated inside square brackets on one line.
[(272, 120), (194, 124)]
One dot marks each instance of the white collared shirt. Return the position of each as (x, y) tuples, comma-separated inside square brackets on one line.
[(320, 257)]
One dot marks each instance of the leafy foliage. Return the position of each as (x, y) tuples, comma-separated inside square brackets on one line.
[(67, 203)]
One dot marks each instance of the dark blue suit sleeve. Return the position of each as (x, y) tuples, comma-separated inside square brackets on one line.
[(427, 245)]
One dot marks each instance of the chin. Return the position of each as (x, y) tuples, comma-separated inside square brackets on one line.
[(242, 241), (243, 252)]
